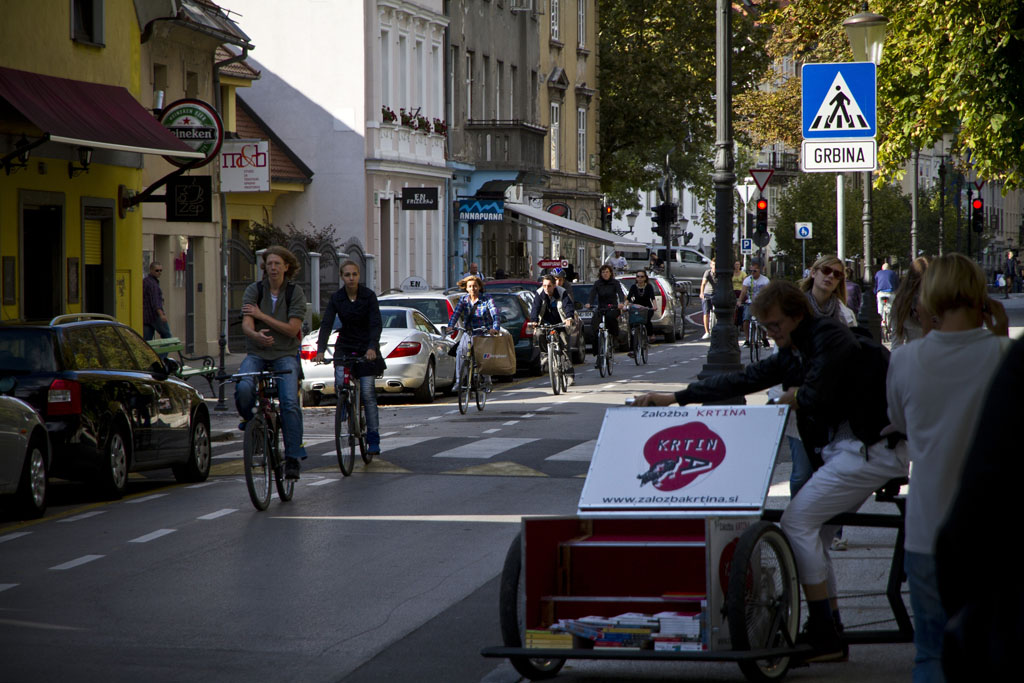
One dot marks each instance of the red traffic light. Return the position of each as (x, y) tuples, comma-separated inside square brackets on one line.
[(977, 204), (762, 204), (608, 211)]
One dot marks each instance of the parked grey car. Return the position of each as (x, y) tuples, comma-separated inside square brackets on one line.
[(24, 454)]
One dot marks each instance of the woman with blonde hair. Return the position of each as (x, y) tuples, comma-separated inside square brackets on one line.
[(906, 323), (826, 290)]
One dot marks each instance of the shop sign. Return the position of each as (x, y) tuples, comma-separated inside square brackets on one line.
[(419, 198), (189, 199), (481, 210), (198, 125), (245, 166)]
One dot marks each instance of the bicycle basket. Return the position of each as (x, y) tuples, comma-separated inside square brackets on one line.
[(637, 317)]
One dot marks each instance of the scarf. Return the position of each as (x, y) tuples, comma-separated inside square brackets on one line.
[(829, 310)]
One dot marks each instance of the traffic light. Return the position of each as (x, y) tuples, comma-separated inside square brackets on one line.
[(978, 214), (761, 236), (606, 217), (658, 219), (761, 221)]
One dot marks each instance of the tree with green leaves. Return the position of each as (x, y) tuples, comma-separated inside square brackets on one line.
[(657, 77), (949, 67)]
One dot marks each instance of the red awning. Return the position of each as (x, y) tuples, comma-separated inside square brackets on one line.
[(90, 114)]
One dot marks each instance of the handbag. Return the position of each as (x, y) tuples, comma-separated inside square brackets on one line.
[(495, 354)]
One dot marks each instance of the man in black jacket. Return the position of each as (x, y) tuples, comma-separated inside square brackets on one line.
[(553, 305), (835, 381)]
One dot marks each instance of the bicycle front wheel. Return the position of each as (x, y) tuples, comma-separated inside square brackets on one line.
[(285, 486), (256, 459), (602, 350), (364, 452), (608, 354), (344, 436), (478, 389), (634, 345), (553, 368), (643, 345), (465, 380)]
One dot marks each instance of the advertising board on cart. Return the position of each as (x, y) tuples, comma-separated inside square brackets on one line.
[(683, 461)]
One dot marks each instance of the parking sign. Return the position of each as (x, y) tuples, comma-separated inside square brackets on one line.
[(746, 246)]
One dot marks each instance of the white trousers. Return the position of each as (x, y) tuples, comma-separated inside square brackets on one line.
[(842, 484)]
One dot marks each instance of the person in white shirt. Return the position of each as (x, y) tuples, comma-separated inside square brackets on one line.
[(474, 271), (752, 284), (936, 387)]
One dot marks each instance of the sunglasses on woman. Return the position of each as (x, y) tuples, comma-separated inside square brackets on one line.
[(826, 271)]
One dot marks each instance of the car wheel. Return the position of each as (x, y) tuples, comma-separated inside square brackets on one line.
[(425, 392), (197, 468), (114, 468), (30, 500), (579, 354), (670, 336)]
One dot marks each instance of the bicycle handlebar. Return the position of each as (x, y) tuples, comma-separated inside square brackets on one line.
[(268, 374)]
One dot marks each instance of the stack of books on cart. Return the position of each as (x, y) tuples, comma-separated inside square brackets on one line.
[(668, 631), (548, 640)]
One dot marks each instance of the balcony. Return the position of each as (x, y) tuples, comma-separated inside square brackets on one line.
[(502, 145), (393, 142)]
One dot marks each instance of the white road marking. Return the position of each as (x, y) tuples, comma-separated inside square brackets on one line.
[(485, 448), (526, 415), (230, 455), (510, 423), (544, 408), (71, 564), (16, 534), (388, 434), (152, 536), (5, 586), (322, 482), (452, 412), (146, 499), (436, 417), (218, 513), (403, 441), (491, 431), (580, 453), (411, 426), (84, 515), (203, 485)]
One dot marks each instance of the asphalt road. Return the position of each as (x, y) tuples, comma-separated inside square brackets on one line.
[(390, 574)]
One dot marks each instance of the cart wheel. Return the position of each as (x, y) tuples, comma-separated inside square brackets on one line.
[(763, 602), (511, 607)]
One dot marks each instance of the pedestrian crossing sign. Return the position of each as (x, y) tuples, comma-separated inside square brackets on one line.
[(839, 100)]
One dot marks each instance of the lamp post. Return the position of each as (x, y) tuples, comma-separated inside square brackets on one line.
[(942, 202), (866, 32), (724, 352)]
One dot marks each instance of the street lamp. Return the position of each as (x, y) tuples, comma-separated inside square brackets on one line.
[(724, 352), (866, 32)]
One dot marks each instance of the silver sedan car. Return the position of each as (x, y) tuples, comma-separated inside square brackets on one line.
[(24, 454), (414, 349)]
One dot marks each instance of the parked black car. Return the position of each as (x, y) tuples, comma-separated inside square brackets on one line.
[(110, 404)]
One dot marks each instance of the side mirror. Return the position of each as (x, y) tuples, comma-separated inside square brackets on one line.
[(170, 366), (444, 330)]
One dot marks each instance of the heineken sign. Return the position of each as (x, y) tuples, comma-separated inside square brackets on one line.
[(198, 125)]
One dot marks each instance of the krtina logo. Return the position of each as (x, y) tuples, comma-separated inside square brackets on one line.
[(680, 454)]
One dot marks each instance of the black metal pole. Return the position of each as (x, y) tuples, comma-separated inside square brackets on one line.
[(970, 228), (869, 318), (942, 204), (724, 352)]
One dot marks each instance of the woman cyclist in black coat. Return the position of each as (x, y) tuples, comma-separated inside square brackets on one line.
[(607, 294), (642, 293)]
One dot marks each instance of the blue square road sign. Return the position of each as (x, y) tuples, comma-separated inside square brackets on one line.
[(839, 100)]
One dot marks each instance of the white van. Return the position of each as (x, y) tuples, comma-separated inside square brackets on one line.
[(636, 258), (687, 264)]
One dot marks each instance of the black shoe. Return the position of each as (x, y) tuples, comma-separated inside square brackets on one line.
[(291, 468), (746, 344), (766, 343), (825, 642)]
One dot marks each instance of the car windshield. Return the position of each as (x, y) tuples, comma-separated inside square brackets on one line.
[(436, 310), (393, 319), (26, 351)]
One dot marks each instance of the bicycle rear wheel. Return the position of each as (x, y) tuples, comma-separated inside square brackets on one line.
[(465, 380), (478, 389), (344, 436), (257, 462), (285, 486)]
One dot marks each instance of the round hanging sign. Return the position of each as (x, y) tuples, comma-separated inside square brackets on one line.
[(198, 125)]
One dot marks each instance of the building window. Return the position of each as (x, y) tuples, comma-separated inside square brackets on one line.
[(553, 131), (385, 68), (581, 21), (513, 75), (554, 20), (469, 85), (581, 140), (191, 84), (87, 21), (499, 90), (483, 87), (421, 77), (402, 96)]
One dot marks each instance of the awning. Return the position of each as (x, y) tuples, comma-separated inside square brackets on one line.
[(88, 114), (575, 227)]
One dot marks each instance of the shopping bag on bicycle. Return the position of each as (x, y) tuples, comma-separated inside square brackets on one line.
[(637, 316), (496, 354)]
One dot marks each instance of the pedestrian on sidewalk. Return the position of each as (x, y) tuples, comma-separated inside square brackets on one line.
[(935, 390), (907, 323), (154, 319), (1010, 272)]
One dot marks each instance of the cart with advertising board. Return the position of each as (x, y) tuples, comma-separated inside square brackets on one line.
[(672, 555)]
